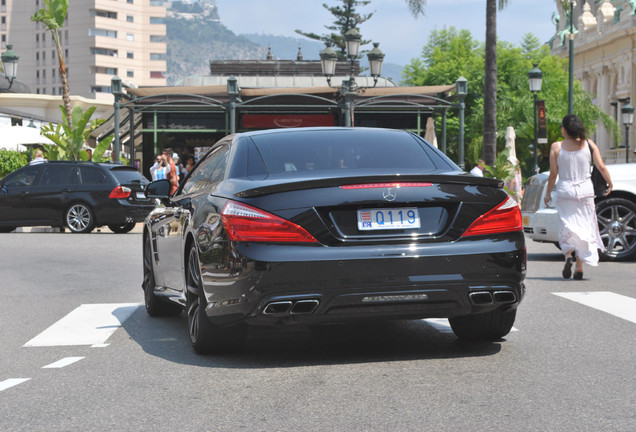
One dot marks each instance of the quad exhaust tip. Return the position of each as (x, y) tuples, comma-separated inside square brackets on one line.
[(488, 298), (291, 307)]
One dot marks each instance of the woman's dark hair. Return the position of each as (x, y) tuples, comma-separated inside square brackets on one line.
[(573, 126)]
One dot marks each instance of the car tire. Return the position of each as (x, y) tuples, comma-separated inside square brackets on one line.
[(617, 226), (205, 337), (487, 326), (123, 228), (79, 218), (155, 307)]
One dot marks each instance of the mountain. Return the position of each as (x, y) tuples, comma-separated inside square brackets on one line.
[(196, 35)]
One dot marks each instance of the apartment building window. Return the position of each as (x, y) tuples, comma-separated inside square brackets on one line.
[(130, 18), (130, 37), (43, 77), (156, 74), (157, 56), (156, 20), (102, 32), (43, 58), (157, 38), (4, 23), (104, 51), (130, 74), (130, 55), (53, 74), (129, 1), (53, 52), (104, 14)]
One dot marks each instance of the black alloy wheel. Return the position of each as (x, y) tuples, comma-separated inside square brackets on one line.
[(79, 218), (205, 337), (123, 228), (154, 305), (617, 226), (489, 326)]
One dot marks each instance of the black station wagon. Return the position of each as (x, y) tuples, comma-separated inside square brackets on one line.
[(76, 195)]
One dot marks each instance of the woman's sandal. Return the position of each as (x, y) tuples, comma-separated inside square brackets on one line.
[(567, 269), (578, 275)]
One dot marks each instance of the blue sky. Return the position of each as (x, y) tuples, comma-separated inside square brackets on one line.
[(400, 35)]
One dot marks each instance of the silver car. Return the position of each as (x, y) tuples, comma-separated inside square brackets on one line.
[(616, 213)]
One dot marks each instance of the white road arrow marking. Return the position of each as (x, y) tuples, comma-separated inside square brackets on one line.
[(11, 383), (61, 363), (89, 324), (618, 305)]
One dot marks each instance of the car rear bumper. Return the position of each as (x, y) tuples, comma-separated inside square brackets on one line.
[(542, 225), (271, 284), (121, 211)]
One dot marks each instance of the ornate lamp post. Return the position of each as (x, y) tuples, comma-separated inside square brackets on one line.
[(535, 77), (627, 113), (350, 88), (10, 64), (116, 90)]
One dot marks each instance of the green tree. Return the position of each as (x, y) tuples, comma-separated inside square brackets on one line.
[(69, 138), (52, 16), (450, 53), (345, 18)]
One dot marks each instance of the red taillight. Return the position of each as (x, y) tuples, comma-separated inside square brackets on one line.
[(506, 217), (246, 223), (386, 185), (120, 192)]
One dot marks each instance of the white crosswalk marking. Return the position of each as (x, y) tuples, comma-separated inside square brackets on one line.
[(11, 383), (618, 305), (89, 324)]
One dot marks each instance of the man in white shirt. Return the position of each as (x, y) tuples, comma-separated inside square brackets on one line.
[(478, 169)]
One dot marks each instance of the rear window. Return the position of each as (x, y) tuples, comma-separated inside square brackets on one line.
[(307, 151), (127, 175)]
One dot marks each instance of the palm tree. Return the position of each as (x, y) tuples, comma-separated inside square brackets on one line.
[(490, 81), (52, 16), (416, 7)]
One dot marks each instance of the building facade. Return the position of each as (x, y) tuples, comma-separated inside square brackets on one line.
[(604, 61), (101, 38)]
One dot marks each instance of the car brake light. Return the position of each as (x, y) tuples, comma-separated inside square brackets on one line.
[(506, 217), (246, 223), (120, 192), (386, 185)]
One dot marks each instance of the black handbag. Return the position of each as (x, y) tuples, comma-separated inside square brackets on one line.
[(598, 181)]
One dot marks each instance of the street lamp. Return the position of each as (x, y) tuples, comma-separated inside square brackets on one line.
[(462, 90), (571, 64), (349, 88), (10, 64), (116, 90), (535, 77), (628, 118)]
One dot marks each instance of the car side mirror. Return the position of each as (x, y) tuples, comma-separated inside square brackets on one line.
[(159, 189)]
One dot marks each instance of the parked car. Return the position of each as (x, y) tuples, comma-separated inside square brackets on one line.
[(318, 226), (616, 213), (77, 195)]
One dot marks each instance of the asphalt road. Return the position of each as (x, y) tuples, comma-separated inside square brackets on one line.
[(567, 366)]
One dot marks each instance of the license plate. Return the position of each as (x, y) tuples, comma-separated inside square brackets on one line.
[(141, 195), (387, 219)]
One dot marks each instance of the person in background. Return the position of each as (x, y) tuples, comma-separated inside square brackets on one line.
[(160, 169), (478, 169), (175, 158), (578, 228), (38, 157), (189, 164), (89, 152), (172, 175)]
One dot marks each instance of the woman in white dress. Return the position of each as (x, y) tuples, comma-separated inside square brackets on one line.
[(578, 229)]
